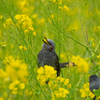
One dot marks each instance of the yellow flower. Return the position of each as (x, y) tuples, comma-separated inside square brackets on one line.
[(62, 79), (66, 8), (53, 98), (92, 95), (25, 31), (21, 85), (51, 16), (98, 56), (24, 48), (17, 16), (50, 83), (21, 47), (14, 91), (41, 21), (98, 97), (63, 56), (1, 16), (57, 94), (82, 65), (2, 73), (13, 85), (69, 85), (31, 28), (34, 33), (34, 16), (1, 98), (85, 92), (63, 92), (66, 81), (58, 78), (50, 72), (24, 22), (16, 70), (40, 70), (8, 22)]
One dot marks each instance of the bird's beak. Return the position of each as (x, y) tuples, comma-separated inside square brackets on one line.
[(45, 40)]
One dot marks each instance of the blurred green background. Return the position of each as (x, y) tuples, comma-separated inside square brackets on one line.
[(74, 26)]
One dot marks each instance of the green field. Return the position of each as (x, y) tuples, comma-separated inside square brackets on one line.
[(74, 26)]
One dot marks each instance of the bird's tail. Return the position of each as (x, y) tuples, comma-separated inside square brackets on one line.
[(67, 64)]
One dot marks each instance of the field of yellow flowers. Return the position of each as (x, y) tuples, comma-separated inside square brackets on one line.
[(74, 26)]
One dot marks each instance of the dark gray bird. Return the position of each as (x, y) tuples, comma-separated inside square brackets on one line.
[(94, 83), (48, 56)]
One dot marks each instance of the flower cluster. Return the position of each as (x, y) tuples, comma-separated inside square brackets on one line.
[(8, 23), (22, 47), (71, 29), (15, 85), (23, 5), (59, 86), (61, 93), (82, 65), (85, 92), (64, 8), (14, 75), (24, 22), (45, 74), (16, 70)]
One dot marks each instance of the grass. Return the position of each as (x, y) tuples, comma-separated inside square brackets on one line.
[(72, 25)]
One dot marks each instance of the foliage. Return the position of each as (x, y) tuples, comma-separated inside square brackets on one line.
[(74, 26)]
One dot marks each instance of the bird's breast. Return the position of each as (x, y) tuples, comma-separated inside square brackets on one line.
[(46, 58)]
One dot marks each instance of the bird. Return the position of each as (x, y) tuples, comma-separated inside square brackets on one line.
[(94, 83), (48, 56)]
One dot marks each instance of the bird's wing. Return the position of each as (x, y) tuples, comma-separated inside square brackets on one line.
[(38, 59), (57, 64), (94, 85)]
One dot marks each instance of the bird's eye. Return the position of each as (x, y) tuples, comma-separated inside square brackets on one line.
[(50, 43)]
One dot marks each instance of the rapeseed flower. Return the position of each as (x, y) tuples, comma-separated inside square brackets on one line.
[(24, 22), (8, 23), (98, 56), (1, 98), (82, 65), (64, 8), (46, 73), (25, 7), (85, 92), (34, 16), (21, 85), (2, 73), (50, 72), (1, 16), (34, 33), (61, 93), (20, 47), (15, 85), (63, 56), (15, 69)]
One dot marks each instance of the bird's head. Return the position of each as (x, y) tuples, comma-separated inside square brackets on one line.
[(48, 44), (93, 78)]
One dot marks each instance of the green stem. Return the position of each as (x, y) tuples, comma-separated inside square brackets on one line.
[(80, 80)]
